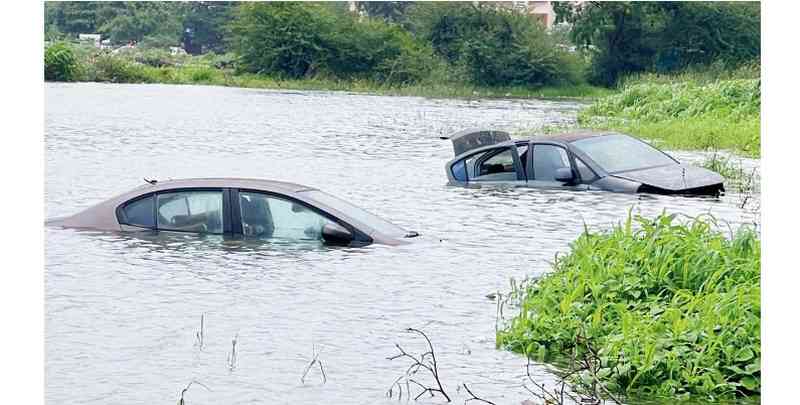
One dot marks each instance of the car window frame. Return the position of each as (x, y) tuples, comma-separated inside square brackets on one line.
[(570, 157), (490, 153), (359, 236), (226, 209)]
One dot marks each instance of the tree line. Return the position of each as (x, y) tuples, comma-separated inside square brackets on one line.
[(403, 43)]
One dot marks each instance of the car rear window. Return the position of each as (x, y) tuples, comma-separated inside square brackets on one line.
[(140, 212)]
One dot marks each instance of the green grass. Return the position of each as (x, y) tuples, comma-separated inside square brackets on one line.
[(672, 307), (684, 112), (156, 66), (206, 75)]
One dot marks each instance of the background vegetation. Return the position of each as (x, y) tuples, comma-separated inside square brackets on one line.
[(691, 110), (672, 308), (458, 43), (682, 74)]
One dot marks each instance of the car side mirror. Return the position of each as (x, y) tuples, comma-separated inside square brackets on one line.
[(565, 175), (336, 234)]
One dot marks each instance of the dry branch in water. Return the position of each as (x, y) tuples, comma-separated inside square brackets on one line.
[(233, 357), (475, 397), (181, 401), (426, 361), (200, 335), (314, 360)]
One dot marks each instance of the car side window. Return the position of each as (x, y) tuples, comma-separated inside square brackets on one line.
[(190, 211), (587, 174), (495, 165), (269, 216), (140, 212), (547, 159)]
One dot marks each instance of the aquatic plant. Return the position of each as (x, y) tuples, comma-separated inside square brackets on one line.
[(671, 307)]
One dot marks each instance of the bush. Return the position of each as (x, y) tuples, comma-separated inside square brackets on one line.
[(287, 39), (294, 40), (114, 69), (672, 308), (496, 47), (60, 63), (631, 37)]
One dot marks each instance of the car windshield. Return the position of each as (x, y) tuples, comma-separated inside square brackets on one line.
[(619, 153), (371, 220)]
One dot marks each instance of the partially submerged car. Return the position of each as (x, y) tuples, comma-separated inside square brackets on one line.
[(250, 208), (583, 160)]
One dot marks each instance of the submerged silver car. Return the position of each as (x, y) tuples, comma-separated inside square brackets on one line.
[(584, 160), (251, 208)]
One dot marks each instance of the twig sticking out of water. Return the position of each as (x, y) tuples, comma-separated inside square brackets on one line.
[(475, 397), (426, 361), (314, 360), (233, 356), (181, 401), (589, 362), (200, 335)]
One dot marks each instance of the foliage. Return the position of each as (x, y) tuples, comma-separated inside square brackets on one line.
[(295, 40), (280, 38), (60, 63), (156, 24), (390, 11), (672, 308), (721, 114), (495, 46), (108, 68), (629, 37), (205, 22)]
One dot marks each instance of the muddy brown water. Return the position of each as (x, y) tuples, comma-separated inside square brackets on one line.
[(122, 312)]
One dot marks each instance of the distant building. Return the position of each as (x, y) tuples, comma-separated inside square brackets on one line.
[(541, 10), (95, 38)]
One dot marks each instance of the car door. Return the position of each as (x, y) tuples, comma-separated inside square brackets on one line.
[(266, 215), (193, 210), (496, 166), (543, 162)]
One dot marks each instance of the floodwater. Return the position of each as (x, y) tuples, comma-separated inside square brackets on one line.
[(122, 313)]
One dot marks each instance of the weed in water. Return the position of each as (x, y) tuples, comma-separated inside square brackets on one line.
[(672, 309)]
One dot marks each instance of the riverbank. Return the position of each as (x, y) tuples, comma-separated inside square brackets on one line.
[(693, 111), (154, 66), (670, 307)]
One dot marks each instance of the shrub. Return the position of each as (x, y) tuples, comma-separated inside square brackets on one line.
[(631, 37), (672, 308), (496, 47), (114, 69), (60, 63), (287, 39)]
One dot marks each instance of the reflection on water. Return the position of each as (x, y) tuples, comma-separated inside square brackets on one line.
[(122, 310)]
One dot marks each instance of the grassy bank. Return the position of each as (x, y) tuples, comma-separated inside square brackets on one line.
[(694, 110), (152, 66), (672, 308)]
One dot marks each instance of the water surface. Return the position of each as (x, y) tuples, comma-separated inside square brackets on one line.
[(122, 312)]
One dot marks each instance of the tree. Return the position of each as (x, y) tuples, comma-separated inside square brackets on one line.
[(206, 23), (629, 37)]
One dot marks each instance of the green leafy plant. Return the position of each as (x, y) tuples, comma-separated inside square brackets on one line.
[(60, 63), (672, 308)]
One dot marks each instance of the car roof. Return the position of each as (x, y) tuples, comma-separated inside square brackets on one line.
[(221, 182), (566, 137), (569, 137)]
